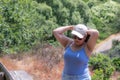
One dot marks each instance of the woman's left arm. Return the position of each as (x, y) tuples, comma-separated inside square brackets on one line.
[(92, 39)]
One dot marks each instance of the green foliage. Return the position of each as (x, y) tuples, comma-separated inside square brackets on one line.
[(101, 63), (115, 50), (105, 16), (98, 75), (116, 22), (69, 11), (116, 63), (92, 3), (24, 23), (85, 0), (114, 54), (116, 1)]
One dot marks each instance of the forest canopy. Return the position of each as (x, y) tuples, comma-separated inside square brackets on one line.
[(25, 23)]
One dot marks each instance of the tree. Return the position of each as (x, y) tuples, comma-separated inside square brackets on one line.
[(105, 15)]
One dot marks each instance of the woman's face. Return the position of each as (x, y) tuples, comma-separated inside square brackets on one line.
[(78, 41)]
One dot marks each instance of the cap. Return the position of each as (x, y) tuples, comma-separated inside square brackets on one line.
[(79, 30)]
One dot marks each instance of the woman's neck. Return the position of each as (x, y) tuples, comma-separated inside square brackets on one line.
[(76, 47)]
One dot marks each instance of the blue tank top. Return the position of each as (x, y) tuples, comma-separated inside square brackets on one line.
[(75, 62)]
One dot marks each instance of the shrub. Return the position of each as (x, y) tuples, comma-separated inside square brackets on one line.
[(115, 50), (102, 62), (116, 63), (98, 75), (23, 24)]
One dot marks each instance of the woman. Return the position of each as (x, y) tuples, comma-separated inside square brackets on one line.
[(77, 50)]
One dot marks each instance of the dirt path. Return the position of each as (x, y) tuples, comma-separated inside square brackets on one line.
[(107, 43)]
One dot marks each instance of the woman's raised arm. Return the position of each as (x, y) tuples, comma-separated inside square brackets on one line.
[(92, 39), (59, 35)]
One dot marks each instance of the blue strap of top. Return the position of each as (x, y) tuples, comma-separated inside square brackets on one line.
[(75, 62)]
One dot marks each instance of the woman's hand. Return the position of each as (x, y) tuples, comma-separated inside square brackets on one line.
[(92, 39)]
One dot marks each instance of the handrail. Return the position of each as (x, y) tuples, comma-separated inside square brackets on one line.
[(7, 74)]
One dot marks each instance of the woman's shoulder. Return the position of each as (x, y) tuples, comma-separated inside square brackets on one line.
[(69, 42)]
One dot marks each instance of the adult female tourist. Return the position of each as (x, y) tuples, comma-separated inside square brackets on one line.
[(77, 50)]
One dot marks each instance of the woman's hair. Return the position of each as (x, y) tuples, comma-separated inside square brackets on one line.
[(87, 38)]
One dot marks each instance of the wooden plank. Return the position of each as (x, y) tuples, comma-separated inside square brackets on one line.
[(20, 75), (6, 72)]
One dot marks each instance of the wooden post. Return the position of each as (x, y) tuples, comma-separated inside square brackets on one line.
[(6, 72), (13, 75)]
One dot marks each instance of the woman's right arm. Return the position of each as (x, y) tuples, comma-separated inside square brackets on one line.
[(59, 35)]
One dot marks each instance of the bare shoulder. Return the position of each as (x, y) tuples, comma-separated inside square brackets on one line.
[(65, 40)]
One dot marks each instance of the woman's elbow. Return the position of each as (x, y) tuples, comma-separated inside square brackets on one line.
[(96, 33), (56, 33)]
